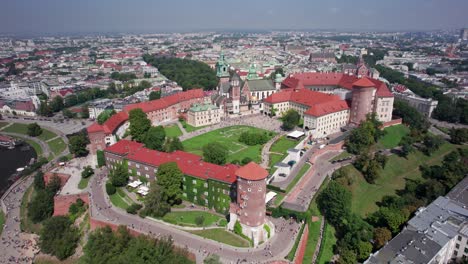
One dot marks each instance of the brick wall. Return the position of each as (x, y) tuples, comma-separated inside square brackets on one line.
[(392, 122), (62, 202), (63, 177)]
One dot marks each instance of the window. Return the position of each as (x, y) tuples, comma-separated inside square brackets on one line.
[(249, 190), (459, 238), (457, 246)]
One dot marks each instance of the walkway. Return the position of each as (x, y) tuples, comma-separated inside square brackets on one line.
[(446, 124), (266, 151), (182, 128), (280, 244), (319, 242)]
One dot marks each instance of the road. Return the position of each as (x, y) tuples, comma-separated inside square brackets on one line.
[(446, 124), (60, 128), (279, 245)]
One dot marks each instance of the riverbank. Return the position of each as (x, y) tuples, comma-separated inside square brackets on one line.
[(12, 159)]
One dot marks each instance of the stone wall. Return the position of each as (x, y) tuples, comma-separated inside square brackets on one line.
[(301, 248)]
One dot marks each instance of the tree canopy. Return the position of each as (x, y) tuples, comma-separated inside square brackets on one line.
[(169, 178), (34, 130), (119, 174), (154, 95), (215, 153), (290, 119), (155, 204), (187, 73), (77, 144), (155, 137), (139, 124), (106, 114), (59, 237)]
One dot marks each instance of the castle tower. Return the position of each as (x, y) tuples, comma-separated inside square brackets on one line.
[(252, 75), (250, 208), (278, 81), (222, 69), (362, 100), (235, 93)]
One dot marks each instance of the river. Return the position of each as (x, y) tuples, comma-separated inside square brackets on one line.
[(10, 160)]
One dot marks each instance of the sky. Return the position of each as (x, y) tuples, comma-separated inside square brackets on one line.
[(141, 16)]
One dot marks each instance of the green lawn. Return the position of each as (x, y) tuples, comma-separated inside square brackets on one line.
[(393, 136), (57, 146), (172, 131), (326, 248), (299, 175), (283, 144), (392, 178), (187, 218), (17, 128), (274, 158), (120, 199), (223, 236), (83, 183), (229, 138), (190, 128), (2, 220), (34, 145), (46, 135), (2, 124)]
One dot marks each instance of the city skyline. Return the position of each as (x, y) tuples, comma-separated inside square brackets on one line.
[(144, 16)]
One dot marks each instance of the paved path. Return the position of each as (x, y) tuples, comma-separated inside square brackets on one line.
[(447, 124), (279, 245), (60, 128), (319, 242), (266, 151), (181, 127), (434, 130)]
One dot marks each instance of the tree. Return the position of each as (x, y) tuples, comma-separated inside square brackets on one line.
[(406, 149), (411, 117), (172, 144), (381, 159), (105, 115), (139, 124), (71, 100), (290, 119), (246, 160), (215, 153), (432, 143), (381, 236), (212, 259), (199, 220), (39, 183), (44, 109), (154, 95), (41, 207), (34, 130), (334, 202), (169, 178), (364, 250), (87, 172), (347, 256), (110, 188), (155, 204), (59, 237), (67, 113), (458, 135), (155, 137), (119, 174), (57, 104), (77, 145), (364, 136), (85, 111)]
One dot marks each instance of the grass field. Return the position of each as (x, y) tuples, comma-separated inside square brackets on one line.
[(223, 236), (120, 199), (326, 248), (57, 146), (2, 124), (46, 135), (2, 220), (228, 137), (187, 218), (172, 131), (83, 183), (393, 136), (283, 144), (392, 178), (17, 128), (34, 145)]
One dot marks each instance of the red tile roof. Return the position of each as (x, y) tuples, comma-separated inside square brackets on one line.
[(188, 163), (364, 83), (282, 96), (327, 108), (95, 127), (252, 171), (310, 98), (300, 80), (118, 119)]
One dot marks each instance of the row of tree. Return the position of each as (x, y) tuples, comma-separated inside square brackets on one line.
[(41, 206), (253, 138)]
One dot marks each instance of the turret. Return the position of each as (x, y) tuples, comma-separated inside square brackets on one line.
[(362, 100)]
